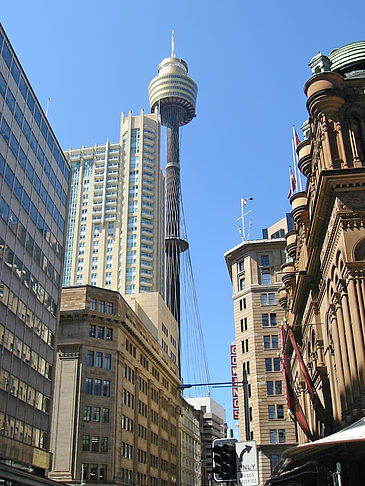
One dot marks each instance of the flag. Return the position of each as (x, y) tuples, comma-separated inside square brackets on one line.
[(293, 183), (295, 136)]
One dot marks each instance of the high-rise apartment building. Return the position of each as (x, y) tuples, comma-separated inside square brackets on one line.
[(116, 406), (255, 270), (115, 233), (34, 180)]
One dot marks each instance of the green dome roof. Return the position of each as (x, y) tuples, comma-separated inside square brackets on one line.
[(351, 55)]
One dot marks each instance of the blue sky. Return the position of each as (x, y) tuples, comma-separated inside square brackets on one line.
[(95, 59)]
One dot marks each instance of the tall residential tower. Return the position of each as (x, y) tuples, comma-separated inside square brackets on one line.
[(115, 231)]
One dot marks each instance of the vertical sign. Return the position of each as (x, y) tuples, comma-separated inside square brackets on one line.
[(234, 382)]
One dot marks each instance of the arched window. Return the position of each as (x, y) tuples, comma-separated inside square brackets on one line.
[(359, 254)]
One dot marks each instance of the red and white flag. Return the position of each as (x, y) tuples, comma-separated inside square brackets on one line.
[(296, 138), (293, 183)]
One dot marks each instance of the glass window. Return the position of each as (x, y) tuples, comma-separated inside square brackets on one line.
[(273, 436), (274, 460), (89, 386), (105, 415), (278, 387), (97, 387), (109, 307), (266, 278), (93, 305), (30, 102), (101, 307), (104, 444), (86, 442), (18, 115), (276, 364), (265, 320), (9, 176), (109, 334), (10, 100), (87, 413), (280, 411), (5, 130), (96, 414), (268, 364), (2, 164), (92, 330), (281, 436), (101, 332), (4, 210), (270, 387), (274, 341), (271, 299), (263, 299), (266, 342), (99, 360), (242, 283), (90, 358), (273, 321), (272, 412), (7, 55), (106, 388), (264, 259), (107, 361), (2, 85), (25, 201)]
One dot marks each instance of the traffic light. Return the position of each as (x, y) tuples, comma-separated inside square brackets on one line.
[(224, 460)]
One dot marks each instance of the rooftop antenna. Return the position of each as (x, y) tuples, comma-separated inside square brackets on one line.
[(49, 99), (172, 44)]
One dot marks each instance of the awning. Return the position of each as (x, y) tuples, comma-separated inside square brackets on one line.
[(302, 460)]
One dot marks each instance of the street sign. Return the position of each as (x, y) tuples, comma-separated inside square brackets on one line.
[(247, 463)]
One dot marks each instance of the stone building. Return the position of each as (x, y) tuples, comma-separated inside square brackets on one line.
[(190, 446), (324, 292), (255, 270), (116, 404)]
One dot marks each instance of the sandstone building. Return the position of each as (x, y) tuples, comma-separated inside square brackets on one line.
[(255, 270)]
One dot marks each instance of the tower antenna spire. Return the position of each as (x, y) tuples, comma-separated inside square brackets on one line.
[(172, 43)]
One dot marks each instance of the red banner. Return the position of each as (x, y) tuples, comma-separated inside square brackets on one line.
[(234, 382)]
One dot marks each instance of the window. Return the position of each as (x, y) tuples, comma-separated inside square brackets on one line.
[(109, 307), (273, 436), (265, 320), (97, 387), (96, 230), (107, 361), (276, 364), (280, 411), (88, 386), (242, 283), (101, 308), (104, 444), (100, 332), (271, 298), (110, 229), (109, 334), (267, 342), (274, 460), (263, 299), (281, 436), (93, 307), (108, 278), (266, 277), (106, 388), (95, 444), (96, 414), (105, 415), (86, 442), (274, 341), (271, 342), (278, 387), (270, 387), (241, 266), (264, 260), (273, 321), (90, 358), (87, 413), (99, 360), (92, 330), (272, 415)]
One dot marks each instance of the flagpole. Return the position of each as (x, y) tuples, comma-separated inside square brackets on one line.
[(295, 158), (243, 220)]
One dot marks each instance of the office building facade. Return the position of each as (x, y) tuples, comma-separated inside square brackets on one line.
[(190, 446), (116, 407), (213, 427), (115, 233), (255, 270), (34, 179)]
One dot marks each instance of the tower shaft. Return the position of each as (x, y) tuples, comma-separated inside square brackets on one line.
[(173, 245)]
